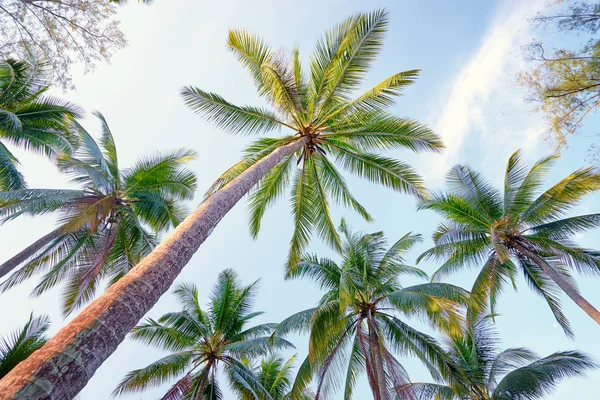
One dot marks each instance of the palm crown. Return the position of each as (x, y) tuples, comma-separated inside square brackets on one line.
[(101, 232), (22, 342), (28, 119), (521, 228), (325, 120), (360, 311), (276, 376), (483, 372), (203, 340)]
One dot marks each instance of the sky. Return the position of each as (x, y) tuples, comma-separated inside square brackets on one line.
[(469, 53)]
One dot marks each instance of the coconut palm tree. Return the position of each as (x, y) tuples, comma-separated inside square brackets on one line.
[(202, 341), (483, 372), (276, 376), (102, 230), (360, 321), (326, 127), (520, 228), (324, 120), (22, 342), (28, 118)]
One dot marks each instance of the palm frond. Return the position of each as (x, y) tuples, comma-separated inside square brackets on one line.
[(21, 343), (252, 53), (242, 120), (381, 170), (10, 177), (539, 378), (159, 372)]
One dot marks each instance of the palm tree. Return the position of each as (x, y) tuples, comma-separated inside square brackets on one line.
[(357, 322), (18, 346), (101, 231), (330, 121), (483, 372), (29, 119), (200, 342), (275, 375), (521, 227), (325, 126)]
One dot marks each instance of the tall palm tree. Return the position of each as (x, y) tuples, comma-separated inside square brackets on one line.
[(331, 121), (359, 322), (519, 228), (325, 126), (102, 227), (28, 118), (276, 376), (483, 372), (201, 341), (22, 342)]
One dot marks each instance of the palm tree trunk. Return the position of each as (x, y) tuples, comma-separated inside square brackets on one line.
[(30, 251), (371, 374), (61, 368), (562, 283), (375, 349)]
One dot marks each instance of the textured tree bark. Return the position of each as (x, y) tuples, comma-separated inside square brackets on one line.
[(375, 349), (61, 368), (562, 283), (28, 252)]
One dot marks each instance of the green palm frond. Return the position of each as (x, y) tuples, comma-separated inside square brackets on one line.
[(438, 302), (380, 131), (539, 378), (467, 184), (155, 374), (381, 170), (323, 223), (566, 228), (334, 184), (303, 211), (14, 203), (22, 342), (357, 50), (229, 117), (10, 177), (428, 391), (269, 189), (251, 52), (548, 290), (279, 82), (108, 146), (380, 96), (555, 202)]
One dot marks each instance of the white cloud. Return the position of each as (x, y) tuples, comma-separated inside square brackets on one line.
[(482, 102)]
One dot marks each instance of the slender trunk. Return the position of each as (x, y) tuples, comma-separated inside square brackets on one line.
[(30, 251), (375, 348), (562, 283), (203, 380), (61, 368), (371, 374)]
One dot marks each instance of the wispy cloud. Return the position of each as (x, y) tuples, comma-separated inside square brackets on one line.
[(483, 92)]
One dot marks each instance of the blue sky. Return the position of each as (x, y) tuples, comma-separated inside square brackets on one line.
[(469, 53)]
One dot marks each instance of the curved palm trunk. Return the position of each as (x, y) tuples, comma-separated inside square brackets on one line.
[(562, 283), (61, 368), (28, 252), (375, 348)]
